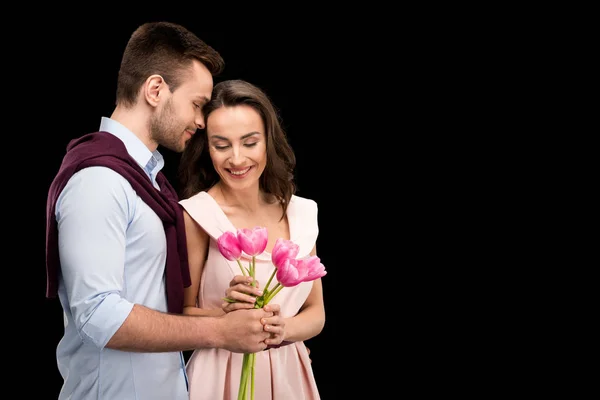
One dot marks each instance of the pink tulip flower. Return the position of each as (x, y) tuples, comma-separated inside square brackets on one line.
[(229, 246), (283, 250), (253, 241), (312, 269), (287, 273)]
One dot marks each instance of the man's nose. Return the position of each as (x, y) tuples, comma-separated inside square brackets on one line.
[(200, 123)]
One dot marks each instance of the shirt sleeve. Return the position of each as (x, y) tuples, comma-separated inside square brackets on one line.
[(92, 214)]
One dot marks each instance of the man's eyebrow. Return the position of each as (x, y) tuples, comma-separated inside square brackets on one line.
[(203, 99), (247, 135)]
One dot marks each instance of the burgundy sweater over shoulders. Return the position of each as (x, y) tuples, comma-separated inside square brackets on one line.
[(107, 150)]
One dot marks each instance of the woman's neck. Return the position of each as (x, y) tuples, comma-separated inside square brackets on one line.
[(250, 200)]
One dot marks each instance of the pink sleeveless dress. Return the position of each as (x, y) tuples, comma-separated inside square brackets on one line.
[(282, 373)]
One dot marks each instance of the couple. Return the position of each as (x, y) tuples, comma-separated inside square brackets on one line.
[(136, 267)]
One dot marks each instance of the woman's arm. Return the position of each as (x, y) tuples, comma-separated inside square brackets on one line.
[(309, 322)]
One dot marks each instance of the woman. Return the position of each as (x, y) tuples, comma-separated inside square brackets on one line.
[(238, 173)]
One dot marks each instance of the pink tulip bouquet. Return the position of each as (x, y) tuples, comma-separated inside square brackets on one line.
[(288, 270)]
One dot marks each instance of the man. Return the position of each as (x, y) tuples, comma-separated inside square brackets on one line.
[(115, 245)]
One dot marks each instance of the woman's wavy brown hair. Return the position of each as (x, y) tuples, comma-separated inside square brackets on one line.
[(196, 172)]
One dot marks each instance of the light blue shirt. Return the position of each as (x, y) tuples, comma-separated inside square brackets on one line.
[(112, 254)]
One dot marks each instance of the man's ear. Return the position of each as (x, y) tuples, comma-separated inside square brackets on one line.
[(154, 85)]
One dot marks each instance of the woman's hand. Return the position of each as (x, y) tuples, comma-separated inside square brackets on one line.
[(275, 325), (240, 294)]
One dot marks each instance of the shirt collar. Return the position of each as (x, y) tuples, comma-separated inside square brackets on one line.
[(151, 162)]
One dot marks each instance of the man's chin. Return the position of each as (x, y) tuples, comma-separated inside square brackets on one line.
[(184, 146)]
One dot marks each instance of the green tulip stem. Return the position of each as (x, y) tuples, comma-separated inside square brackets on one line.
[(253, 363), (253, 270), (242, 267), (272, 294), (270, 279), (242, 393)]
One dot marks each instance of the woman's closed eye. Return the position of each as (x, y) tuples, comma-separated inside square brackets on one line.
[(224, 147)]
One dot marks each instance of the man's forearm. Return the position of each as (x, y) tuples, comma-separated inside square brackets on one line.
[(203, 312), (146, 330)]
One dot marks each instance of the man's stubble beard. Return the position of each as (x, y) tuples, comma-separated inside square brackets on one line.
[(163, 129)]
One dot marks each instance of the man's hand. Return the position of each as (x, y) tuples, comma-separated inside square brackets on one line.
[(243, 331)]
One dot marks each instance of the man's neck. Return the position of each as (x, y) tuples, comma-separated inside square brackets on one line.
[(137, 122)]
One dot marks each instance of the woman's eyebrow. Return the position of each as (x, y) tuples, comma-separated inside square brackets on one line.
[(247, 135)]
